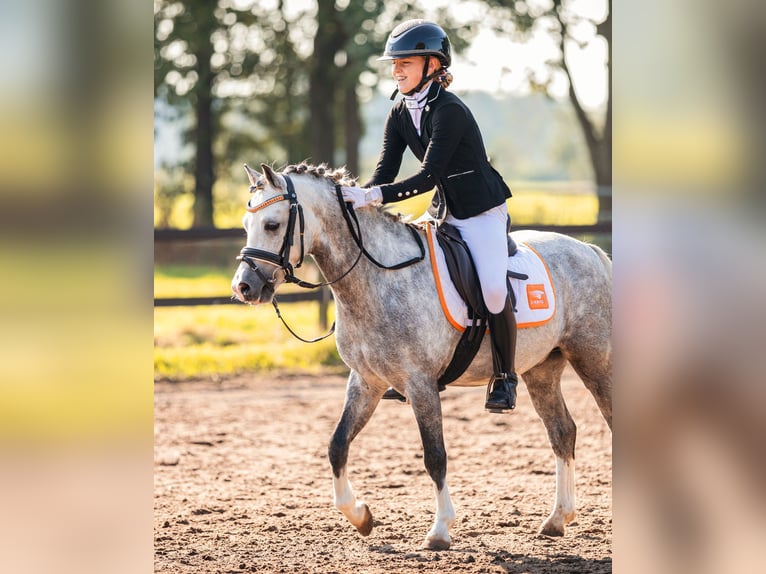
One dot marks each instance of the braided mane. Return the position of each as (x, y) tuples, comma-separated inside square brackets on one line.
[(338, 176)]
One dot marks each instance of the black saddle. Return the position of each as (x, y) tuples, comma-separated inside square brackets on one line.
[(462, 271)]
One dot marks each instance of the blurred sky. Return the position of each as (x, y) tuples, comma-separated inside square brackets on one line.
[(496, 64)]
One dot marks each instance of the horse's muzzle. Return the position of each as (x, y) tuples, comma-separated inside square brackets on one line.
[(251, 289)]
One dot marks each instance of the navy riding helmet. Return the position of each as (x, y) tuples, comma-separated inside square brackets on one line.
[(418, 38)]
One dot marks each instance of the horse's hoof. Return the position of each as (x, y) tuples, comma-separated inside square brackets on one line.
[(436, 544), (550, 529), (366, 526), (555, 523)]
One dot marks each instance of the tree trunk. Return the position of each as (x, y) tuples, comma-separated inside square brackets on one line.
[(599, 145), (353, 127), (604, 168), (323, 81), (204, 175), (204, 172)]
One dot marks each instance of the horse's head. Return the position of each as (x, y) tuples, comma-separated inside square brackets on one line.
[(275, 242)]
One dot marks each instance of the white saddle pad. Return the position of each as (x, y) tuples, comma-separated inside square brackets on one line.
[(535, 297)]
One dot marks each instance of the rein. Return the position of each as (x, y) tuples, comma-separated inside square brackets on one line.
[(349, 214), (249, 255)]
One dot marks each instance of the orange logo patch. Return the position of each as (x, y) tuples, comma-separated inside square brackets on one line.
[(536, 296)]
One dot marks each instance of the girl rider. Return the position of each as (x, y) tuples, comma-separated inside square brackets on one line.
[(442, 133)]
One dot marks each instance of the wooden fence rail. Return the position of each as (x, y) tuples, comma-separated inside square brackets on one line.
[(161, 235), (323, 296)]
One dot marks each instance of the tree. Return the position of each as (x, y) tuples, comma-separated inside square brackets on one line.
[(349, 38), (345, 40), (560, 20), (183, 75), (259, 81), (211, 59), (323, 81)]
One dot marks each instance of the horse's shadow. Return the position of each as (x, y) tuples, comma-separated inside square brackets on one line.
[(516, 563), (564, 563)]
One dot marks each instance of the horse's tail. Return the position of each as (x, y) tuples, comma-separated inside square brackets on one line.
[(605, 261)]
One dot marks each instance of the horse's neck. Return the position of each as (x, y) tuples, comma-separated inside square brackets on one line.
[(335, 250), (332, 246)]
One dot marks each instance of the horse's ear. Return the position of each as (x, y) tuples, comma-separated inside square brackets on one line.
[(270, 176), (252, 175)]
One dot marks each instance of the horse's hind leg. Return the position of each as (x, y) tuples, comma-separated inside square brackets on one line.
[(361, 401), (595, 370), (544, 385), (426, 405)]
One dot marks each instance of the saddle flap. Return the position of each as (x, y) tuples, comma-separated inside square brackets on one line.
[(461, 268)]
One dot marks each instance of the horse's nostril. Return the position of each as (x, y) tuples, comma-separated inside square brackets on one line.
[(244, 289)]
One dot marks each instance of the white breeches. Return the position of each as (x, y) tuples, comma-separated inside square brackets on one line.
[(486, 237)]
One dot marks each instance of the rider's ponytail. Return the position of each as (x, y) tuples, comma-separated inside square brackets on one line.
[(444, 78)]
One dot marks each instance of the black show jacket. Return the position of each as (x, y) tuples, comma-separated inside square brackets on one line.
[(452, 155)]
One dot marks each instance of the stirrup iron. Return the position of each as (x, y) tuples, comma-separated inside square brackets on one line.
[(501, 398)]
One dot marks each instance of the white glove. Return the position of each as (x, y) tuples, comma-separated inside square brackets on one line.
[(361, 197)]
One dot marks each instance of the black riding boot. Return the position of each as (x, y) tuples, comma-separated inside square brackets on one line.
[(501, 391)]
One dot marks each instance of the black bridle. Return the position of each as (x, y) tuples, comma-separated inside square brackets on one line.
[(282, 259), (249, 255)]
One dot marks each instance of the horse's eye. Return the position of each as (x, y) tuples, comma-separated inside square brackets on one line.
[(271, 225)]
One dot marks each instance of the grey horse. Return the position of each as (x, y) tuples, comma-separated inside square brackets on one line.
[(391, 330)]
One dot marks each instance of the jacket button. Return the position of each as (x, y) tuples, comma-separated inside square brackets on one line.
[(399, 194), (414, 191), (407, 194)]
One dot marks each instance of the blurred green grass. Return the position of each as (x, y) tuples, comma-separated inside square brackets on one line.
[(223, 340)]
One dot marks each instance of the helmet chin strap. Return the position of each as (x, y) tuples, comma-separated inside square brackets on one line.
[(423, 81)]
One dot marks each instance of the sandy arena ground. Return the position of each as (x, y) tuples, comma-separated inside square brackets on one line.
[(243, 484)]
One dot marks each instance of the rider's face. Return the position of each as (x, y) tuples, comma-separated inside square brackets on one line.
[(408, 71)]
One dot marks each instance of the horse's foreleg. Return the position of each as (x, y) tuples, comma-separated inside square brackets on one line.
[(427, 408), (360, 403), (544, 385)]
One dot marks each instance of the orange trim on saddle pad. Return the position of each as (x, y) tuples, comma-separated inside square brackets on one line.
[(435, 268), (536, 297)]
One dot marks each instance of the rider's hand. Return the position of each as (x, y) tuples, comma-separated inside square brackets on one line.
[(361, 197)]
